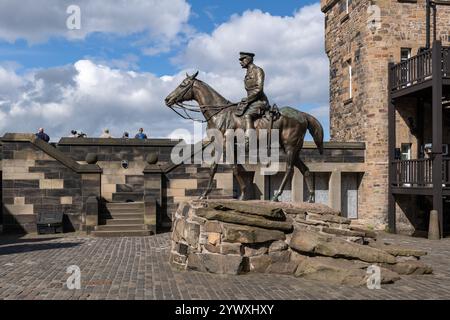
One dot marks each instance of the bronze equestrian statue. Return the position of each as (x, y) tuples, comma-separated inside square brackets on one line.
[(221, 114)]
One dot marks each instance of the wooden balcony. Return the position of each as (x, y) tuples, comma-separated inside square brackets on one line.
[(416, 73), (416, 176)]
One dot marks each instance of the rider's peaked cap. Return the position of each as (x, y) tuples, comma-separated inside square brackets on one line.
[(246, 54)]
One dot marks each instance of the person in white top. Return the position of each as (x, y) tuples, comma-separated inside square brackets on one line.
[(106, 134)]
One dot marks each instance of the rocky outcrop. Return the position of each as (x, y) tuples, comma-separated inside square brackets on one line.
[(325, 245), (304, 240)]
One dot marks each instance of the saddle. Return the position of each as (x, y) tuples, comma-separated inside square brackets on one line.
[(273, 113)]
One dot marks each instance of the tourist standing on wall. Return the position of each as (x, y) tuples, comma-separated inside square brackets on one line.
[(106, 134), (125, 135), (141, 134), (42, 135)]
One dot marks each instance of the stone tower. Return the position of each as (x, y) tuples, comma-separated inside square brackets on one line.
[(361, 38)]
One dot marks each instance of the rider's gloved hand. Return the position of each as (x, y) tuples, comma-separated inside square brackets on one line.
[(243, 102)]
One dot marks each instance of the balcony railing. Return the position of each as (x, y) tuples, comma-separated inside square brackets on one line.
[(418, 173), (418, 69)]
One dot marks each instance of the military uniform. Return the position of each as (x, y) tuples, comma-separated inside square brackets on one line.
[(256, 102)]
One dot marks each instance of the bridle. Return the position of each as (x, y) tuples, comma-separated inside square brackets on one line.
[(196, 108)]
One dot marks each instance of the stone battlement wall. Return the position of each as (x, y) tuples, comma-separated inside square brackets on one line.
[(39, 177), (119, 183)]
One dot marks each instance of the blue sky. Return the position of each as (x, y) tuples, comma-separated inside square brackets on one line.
[(46, 67)]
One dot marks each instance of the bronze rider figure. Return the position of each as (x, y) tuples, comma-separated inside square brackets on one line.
[(256, 102)]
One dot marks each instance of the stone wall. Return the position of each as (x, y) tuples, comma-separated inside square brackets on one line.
[(369, 50), (37, 179), (119, 183)]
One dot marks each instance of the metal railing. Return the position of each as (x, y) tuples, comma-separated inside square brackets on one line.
[(418, 173), (446, 171), (418, 69), (446, 62)]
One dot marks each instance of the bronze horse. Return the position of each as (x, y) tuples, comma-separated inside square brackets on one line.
[(292, 125)]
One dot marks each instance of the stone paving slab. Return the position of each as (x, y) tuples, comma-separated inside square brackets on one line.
[(34, 267)]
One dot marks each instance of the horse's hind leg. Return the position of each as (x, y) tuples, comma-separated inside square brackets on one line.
[(291, 155), (308, 177), (212, 173)]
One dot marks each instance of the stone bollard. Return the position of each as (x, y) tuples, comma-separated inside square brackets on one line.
[(433, 228)]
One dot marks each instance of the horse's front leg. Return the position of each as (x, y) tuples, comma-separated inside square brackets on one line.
[(212, 173), (243, 184)]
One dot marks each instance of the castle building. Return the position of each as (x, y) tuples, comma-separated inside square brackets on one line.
[(362, 38)]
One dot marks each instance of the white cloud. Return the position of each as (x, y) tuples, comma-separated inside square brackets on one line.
[(9, 82), (36, 21), (93, 95), (89, 97), (290, 49)]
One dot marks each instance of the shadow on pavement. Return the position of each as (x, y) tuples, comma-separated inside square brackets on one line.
[(29, 247)]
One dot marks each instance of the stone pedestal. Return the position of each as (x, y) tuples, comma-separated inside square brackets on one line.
[(300, 239)]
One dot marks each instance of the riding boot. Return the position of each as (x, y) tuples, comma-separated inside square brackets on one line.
[(248, 125)]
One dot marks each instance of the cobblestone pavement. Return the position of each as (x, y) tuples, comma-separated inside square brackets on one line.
[(137, 268)]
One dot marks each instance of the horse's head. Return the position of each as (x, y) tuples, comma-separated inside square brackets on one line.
[(183, 92)]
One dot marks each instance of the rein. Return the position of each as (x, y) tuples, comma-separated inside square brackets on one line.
[(197, 108), (193, 108)]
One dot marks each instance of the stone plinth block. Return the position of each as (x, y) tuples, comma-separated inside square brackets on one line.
[(304, 240)]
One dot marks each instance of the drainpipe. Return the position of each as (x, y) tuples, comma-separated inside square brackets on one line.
[(428, 13)]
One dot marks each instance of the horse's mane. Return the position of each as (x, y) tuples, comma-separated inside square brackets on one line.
[(214, 91), (224, 119)]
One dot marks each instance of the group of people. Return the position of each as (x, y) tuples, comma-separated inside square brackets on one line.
[(140, 135), (106, 134)]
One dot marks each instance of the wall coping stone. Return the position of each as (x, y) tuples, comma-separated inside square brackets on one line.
[(118, 142), (166, 168), (157, 168), (51, 151), (337, 145)]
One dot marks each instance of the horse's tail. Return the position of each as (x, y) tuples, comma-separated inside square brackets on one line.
[(314, 126), (316, 131)]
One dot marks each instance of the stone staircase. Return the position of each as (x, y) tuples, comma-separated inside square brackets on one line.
[(121, 219)]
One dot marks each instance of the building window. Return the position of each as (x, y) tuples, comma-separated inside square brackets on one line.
[(405, 54), (350, 79), (345, 6)]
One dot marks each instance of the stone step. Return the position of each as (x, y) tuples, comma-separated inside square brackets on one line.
[(127, 196), (125, 233), (121, 221), (121, 215), (122, 210), (124, 205), (121, 227), (137, 188)]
